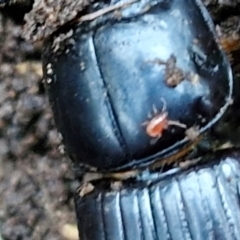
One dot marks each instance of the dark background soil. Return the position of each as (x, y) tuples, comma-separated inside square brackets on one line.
[(36, 182), (36, 178)]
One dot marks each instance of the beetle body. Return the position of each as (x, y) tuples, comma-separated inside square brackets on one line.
[(98, 66), (200, 202)]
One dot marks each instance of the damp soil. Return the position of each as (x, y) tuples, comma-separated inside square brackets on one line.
[(36, 178)]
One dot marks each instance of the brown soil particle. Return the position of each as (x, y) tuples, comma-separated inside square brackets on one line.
[(229, 33), (48, 15)]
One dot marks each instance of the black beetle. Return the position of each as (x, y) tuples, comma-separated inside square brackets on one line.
[(92, 82), (104, 80), (198, 203), (135, 89)]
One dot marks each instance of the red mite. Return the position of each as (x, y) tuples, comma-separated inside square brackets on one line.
[(159, 123)]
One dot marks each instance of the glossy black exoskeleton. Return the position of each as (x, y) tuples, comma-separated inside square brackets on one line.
[(122, 87), (111, 74), (197, 203), (126, 89)]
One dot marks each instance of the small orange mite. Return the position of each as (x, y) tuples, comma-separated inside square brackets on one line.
[(159, 123)]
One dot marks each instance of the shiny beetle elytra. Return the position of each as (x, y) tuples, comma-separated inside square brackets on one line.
[(199, 203), (108, 72), (103, 93), (103, 80)]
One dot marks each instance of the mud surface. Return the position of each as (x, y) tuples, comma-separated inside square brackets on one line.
[(36, 181)]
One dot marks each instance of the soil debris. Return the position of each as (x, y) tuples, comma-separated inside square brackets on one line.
[(48, 15)]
